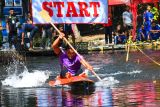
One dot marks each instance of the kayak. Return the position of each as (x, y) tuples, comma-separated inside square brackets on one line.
[(70, 81)]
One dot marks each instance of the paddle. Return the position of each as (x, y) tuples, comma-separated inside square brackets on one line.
[(127, 57), (44, 14), (128, 47)]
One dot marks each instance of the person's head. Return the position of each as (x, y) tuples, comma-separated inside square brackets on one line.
[(142, 27), (11, 11), (148, 7), (29, 15), (70, 52), (127, 8), (118, 27), (153, 24)]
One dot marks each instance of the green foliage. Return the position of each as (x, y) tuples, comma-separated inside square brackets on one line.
[(155, 12)]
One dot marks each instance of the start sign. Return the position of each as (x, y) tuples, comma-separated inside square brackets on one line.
[(71, 11)]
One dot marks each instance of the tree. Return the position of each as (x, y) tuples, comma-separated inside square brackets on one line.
[(155, 12)]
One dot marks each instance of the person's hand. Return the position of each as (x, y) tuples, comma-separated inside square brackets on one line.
[(83, 74), (89, 67), (68, 75), (61, 35)]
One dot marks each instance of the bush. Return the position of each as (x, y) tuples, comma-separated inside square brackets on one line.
[(155, 12)]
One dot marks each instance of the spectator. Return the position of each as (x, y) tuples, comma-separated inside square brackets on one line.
[(127, 21), (68, 31), (147, 20), (29, 27), (139, 25), (11, 28), (1, 38), (155, 32), (19, 37), (61, 29), (46, 36), (28, 17), (108, 31), (119, 36), (141, 35), (56, 34)]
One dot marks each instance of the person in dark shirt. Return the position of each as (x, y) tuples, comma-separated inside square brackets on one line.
[(155, 31), (141, 35), (11, 28), (139, 26), (108, 31), (29, 27), (68, 31), (46, 36)]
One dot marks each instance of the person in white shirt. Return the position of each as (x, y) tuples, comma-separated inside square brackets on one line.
[(127, 20)]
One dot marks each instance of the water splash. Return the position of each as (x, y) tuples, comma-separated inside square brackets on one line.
[(117, 73), (121, 73), (26, 79), (19, 76), (107, 82), (110, 80), (134, 72)]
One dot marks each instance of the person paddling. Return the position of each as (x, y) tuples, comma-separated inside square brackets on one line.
[(70, 62)]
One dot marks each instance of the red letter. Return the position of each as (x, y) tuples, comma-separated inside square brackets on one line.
[(83, 9), (59, 5), (46, 6), (71, 9), (95, 4)]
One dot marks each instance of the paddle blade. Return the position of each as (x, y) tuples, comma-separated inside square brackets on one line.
[(44, 14)]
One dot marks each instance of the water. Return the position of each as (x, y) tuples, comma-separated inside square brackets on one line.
[(135, 83)]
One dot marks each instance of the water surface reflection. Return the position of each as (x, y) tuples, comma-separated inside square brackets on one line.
[(131, 84), (137, 94)]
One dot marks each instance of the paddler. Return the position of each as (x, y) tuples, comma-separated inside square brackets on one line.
[(70, 62)]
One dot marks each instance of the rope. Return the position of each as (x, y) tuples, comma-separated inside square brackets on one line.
[(128, 47), (130, 41), (147, 55)]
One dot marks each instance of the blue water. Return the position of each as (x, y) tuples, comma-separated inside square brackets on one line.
[(135, 83)]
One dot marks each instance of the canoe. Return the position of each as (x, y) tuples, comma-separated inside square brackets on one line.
[(70, 81)]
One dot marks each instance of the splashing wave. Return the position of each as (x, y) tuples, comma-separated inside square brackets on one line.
[(27, 79)]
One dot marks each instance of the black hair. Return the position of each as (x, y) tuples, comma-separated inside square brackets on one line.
[(11, 9)]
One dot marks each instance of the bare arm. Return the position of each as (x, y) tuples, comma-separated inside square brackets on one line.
[(0, 27), (7, 26), (142, 34), (22, 41), (55, 44), (155, 31)]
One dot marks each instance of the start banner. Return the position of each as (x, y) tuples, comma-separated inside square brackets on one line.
[(71, 11)]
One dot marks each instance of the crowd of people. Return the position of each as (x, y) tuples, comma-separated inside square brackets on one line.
[(147, 28), (123, 32), (17, 31), (19, 34)]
